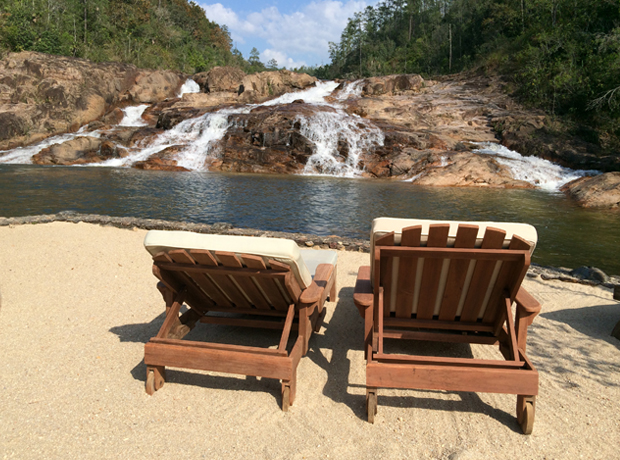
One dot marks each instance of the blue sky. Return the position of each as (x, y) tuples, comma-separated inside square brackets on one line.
[(292, 33)]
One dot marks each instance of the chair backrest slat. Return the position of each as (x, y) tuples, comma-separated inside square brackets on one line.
[(245, 284), (457, 274), (431, 275), (450, 285), (268, 286), (227, 280), (186, 279), (483, 277), (507, 273), (204, 257), (387, 268), (407, 268)]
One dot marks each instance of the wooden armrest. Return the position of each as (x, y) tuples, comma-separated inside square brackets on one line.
[(527, 305), (320, 282), (363, 295)]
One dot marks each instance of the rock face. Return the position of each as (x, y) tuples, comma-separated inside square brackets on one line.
[(261, 86), (220, 79), (42, 95), (429, 130), (601, 191)]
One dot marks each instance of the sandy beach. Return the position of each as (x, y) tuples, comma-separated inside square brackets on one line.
[(78, 303)]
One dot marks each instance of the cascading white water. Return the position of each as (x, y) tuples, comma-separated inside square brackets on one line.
[(325, 130), (190, 86), (314, 95), (537, 171), (23, 155), (133, 116), (351, 89), (328, 129)]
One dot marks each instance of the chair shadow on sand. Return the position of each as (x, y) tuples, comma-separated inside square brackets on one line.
[(143, 332), (345, 332)]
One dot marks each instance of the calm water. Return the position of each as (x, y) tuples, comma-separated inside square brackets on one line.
[(568, 235)]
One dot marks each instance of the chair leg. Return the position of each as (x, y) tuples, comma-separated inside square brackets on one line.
[(371, 403), (332, 291), (526, 410), (155, 378), (289, 390)]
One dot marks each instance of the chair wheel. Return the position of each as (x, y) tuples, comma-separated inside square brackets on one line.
[(150, 382), (527, 421), (286, 398), (371, 406)]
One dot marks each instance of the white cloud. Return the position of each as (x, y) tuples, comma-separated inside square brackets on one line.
[(301, 36), (282, 59)]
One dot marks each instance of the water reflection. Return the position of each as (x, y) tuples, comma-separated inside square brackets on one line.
[(569, 236)]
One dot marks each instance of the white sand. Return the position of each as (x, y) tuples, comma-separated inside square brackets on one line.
[(79, 302)]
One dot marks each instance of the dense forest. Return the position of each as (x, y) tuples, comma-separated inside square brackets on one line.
[(559, 55), (160, 34)]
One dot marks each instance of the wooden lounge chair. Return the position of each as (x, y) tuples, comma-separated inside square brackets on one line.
[(263, 282), (449, 282)]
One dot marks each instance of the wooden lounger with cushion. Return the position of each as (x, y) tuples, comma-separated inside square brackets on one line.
[(449, 282), (260, 282)]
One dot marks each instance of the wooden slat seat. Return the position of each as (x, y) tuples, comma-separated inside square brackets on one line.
[(449, 282), (271, 288)]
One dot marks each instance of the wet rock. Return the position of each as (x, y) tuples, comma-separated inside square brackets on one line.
[(220, 79), (154, 86), (465, 169), (590, 273), (43, 95), (162, 161), (391, 84), (602, 191), (263, 85), (114, 117), (76, 151)]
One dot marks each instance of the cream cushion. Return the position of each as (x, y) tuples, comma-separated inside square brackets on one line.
[(278, 249)]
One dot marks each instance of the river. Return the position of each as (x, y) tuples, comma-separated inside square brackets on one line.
[(569, 236)]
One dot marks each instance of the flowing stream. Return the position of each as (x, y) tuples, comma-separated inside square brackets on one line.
[(340, 204), (198, 140)]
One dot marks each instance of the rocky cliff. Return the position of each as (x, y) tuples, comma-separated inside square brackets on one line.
[(425, 131)]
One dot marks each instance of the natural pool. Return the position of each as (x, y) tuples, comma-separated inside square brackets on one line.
[(568, 235)]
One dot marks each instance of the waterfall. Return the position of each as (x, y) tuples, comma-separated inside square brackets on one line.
[(537, 171), (23, 155), (133, 116), (190, 86), (326, 130), (339, 140)]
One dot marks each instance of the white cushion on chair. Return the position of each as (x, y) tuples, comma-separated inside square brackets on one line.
[(278, 249)]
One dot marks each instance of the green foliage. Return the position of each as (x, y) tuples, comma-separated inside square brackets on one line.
[(170, 34), (562, 55)]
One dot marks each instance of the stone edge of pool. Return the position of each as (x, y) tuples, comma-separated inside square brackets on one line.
[(302, 239)]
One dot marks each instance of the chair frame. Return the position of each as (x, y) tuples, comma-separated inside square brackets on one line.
[(260, 296), (514, 375)]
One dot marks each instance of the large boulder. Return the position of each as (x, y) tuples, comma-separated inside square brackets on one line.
[(43, 95), (154, 86), (391, 84), (264, 85), (219, 79), (76, 151), (466, 169), (602, 191)]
